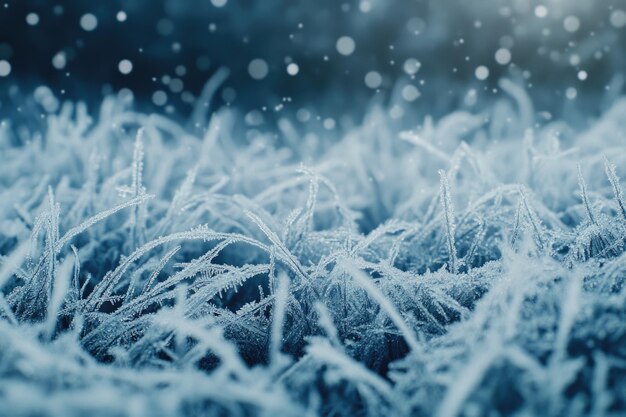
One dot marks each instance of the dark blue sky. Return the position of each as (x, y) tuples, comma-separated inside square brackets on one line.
[(175, 46)]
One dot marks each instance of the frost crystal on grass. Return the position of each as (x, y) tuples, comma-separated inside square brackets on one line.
[(265, 287)]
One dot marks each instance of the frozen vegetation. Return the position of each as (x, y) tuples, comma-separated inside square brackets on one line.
[(474, 266)]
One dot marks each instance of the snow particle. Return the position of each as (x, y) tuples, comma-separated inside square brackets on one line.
[(618, 18), (329, 124), (571, 93), (411, 66), (219, 3), (181, 70), (5, 68), (482, 72), (258, 69), (121, 16), (176, 85), (303, 115), (345, 45), (293, 69), (32, 19), (59, 60), (365, 6), (125, 66), (88, 22), (541, 11), (159, 98), (410, 93), (574, 60), (582, 75), (503, 56), (373, 79), (571, 24)]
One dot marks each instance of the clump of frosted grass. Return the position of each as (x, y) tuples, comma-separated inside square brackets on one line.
[(459, 269)]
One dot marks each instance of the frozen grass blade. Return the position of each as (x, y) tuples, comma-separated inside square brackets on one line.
[(11, 263), (611, 173), (278, 317), (583, 195), (448, 213), (368, 285)]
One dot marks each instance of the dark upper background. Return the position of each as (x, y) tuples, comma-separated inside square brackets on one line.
[(187, 40)]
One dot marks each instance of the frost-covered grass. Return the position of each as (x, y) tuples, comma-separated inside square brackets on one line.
[(474, 266)]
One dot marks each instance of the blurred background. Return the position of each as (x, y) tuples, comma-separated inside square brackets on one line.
[(324, 61)]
